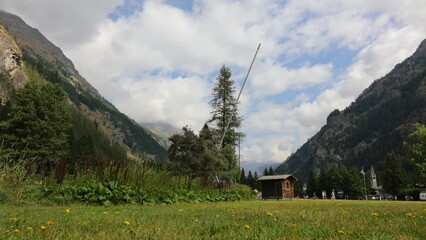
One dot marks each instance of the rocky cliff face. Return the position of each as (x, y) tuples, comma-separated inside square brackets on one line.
[(31, 39), (375, 124), (12, 75)]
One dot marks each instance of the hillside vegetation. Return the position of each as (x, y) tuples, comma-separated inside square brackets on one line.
[(29, 48)]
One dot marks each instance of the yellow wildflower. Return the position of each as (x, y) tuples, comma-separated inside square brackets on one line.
[(127, 223), (341, 231), (50, 223), (374, 214), (16, 231), (67, 210), (247, 226), (13, 219), (43, 227), (30, 228), (105, 213), (269, 214)]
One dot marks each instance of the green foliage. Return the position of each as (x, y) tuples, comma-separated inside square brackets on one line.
[(312, 184), (251, 180), (224, 110), (39, 123), (394, 179), (415, 149), (194, 156), (138, 139), (341, 179), (268, 171), (87, 143), (111, 183), (104, 193)]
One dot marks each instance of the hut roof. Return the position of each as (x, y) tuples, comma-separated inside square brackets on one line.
[(276, 177)]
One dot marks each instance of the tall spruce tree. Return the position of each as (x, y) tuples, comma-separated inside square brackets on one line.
[(225, 109), (415, 150), (39, 123), (394, 178)]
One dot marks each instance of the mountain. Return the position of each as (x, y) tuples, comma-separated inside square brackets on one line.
[(23, 47), (163, 130), (258, 167), (376, 123)]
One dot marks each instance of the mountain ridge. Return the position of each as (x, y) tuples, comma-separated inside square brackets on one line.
[(376, 123), (38, 51)]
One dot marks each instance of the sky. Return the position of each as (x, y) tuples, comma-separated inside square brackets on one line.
[(157, 60)]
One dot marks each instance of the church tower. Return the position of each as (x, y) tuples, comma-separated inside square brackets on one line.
[(373, 179)]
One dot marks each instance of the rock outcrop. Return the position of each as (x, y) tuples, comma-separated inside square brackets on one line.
[(11, 69)]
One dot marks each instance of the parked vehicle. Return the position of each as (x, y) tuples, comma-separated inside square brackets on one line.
[(422, 196)]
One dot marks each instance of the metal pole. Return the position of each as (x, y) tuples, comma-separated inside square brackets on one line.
[(238, 98), (239, 152), (365, 189)]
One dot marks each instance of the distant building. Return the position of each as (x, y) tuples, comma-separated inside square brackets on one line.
[(277, 186), (375, 190), (373, 178)]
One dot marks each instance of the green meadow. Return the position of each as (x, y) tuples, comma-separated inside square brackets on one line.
[(297, 219)]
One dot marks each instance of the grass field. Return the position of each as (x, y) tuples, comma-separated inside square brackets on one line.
[(297, 219)]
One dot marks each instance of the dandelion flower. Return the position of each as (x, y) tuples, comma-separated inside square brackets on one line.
[(16, 231), (247, 226), (374, 214), (43, 227), (105, 213), (13, 219), (269, 214), (67, 210), (341, 231), (30, 228), (50, 223)]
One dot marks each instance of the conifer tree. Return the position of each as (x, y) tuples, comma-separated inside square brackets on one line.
[(415, 149), (39, 123), (394, 178), (225, 109), (243, 178)]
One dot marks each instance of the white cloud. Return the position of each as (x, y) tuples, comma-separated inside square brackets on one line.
[(270, 79), (159, 64), (64, 22), (179, 101)]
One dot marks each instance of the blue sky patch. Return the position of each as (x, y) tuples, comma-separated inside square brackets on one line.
[(128, 8)]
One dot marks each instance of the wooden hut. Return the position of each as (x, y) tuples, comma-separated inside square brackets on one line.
[(277, 186)]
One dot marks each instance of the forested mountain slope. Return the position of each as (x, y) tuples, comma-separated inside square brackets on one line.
[(377, 122), (29, 49)]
